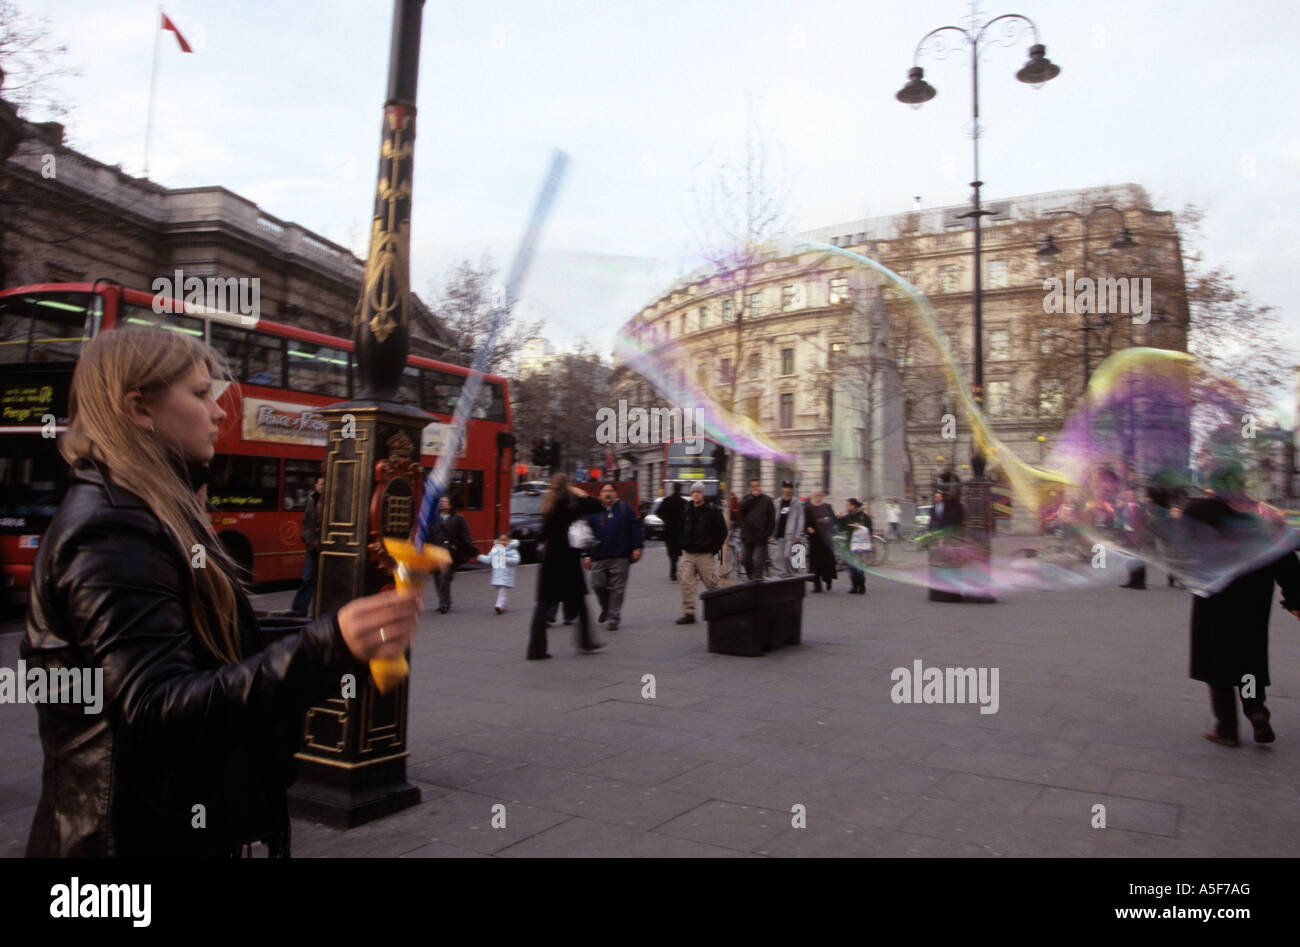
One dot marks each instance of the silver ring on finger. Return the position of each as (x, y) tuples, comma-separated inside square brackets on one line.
[(383, 636)]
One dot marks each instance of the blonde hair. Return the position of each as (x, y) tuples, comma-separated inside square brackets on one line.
[(152, 359)]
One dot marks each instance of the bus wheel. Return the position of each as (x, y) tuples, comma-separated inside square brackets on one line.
[(238, 549)]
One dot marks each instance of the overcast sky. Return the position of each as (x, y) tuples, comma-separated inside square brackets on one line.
[(280, 102)]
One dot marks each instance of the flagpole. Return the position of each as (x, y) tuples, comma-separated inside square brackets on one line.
[(153, 86)]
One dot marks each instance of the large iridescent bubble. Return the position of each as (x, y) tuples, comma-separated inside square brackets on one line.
[(1154, 436)]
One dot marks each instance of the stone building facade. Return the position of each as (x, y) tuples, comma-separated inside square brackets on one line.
[(816, 327), (65, 217)]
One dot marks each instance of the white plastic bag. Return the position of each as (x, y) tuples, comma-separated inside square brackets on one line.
[(580, 535), (860, 540)]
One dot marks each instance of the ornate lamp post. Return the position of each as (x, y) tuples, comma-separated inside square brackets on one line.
[(353, 763), (1038, 70)]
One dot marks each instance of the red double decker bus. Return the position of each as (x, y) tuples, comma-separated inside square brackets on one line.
[(272, 446)]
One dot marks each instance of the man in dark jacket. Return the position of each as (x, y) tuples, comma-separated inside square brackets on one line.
[(450, 531), (1230, 628), (757, 520), (670, 511), (701, 536), (311, 524), (618, 544)]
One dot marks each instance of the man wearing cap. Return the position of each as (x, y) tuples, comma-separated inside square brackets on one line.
[(789, 526), (701, 535)]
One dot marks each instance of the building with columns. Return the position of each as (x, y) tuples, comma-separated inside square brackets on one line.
[(829, 359)]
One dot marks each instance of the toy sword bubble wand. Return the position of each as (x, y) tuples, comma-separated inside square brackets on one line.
[(415, 560)]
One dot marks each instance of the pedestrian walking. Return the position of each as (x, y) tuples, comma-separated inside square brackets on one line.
[(855, 526), (670, 512), (452, 533), (200, 704), (560, 578), (820, 529), (789, 527), (757, 520), (618, 544), (311, 530), (1230, 629), (504, 558), (894, 516), (702, 534)]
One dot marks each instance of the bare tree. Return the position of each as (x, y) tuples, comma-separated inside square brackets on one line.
[(464, 305), (560, 402), (31, 62)]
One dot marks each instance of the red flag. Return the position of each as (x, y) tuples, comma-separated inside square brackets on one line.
[(167, 24)]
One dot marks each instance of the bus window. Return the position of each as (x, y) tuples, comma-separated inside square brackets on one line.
[(491, 404), (42, 327), (466, 489), (33, 478), (254, 358), (409, 390), (299, 477), (243, 484), (318, 369), (441, 391), (131, 315)]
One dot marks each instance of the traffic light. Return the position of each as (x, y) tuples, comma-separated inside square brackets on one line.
[(553, 456), (539, 453)]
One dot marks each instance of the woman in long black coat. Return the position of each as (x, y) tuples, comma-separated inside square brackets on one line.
[(1230, 630), (820, 519), (560, 579)]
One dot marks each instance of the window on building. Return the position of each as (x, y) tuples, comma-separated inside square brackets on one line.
[(839, 291), (755, 305), (835, 358), (728, 310), (724, 372), (751, 408), (830, 405), (754, 365), (999, 345), (997, 274), (1051, 398), (789, 297), (787, 409), (692, 321), (707, 319), (948, 278), (999, 399), (787, 361)]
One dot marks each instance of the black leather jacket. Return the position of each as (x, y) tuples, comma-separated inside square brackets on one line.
[(178, 729)]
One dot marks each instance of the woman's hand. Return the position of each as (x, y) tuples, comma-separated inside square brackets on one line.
[(395, 615)]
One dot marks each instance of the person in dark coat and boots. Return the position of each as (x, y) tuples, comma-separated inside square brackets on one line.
[(452, 533), (1230, 628), (560, 578), (820, 519), (854, 516), (757, 520), (311, 524), (197, 701), (670, 511)]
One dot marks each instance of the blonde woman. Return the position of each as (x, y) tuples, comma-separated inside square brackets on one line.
[(191, 750)]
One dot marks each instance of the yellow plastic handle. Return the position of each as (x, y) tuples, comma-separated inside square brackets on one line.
[(413, 565)]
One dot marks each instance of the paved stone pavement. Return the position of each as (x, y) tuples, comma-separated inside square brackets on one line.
[(1095, 709)]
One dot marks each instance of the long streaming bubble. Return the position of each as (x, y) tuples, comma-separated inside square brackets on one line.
[(1144, 412)]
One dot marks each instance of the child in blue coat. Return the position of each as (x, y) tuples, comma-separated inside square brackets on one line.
[(503, 557)]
